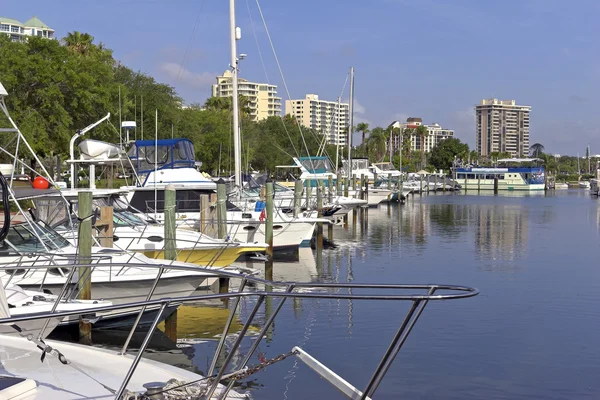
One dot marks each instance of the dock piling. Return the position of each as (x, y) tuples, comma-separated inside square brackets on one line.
[(170, 250), (269, 231), (222, 209), (84, 249), (297, 198)]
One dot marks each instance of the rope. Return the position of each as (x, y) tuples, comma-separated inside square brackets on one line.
[(281, 74)]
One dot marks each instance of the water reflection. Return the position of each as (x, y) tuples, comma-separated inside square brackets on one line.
[(501, 232)]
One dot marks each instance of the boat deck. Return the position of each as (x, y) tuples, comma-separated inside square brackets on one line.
[(55, 380)]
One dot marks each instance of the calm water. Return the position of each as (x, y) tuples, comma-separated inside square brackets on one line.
[(531, 333)]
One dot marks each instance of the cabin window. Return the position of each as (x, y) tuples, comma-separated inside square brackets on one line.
[(460, 176)]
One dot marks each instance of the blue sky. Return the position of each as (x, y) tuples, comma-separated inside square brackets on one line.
[(429, 58)]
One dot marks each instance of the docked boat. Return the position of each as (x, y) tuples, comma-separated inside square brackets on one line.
[(385, 170), (530, 178), (560, 186), (22, 302)]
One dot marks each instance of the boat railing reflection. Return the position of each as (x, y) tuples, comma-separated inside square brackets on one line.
[(418, 294)]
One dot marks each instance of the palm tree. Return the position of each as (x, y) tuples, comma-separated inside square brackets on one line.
[(363, 127), (78, 42), (377, 141), (422, 131), (535, 149)]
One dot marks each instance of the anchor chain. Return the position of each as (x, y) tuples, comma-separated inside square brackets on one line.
[(183, 390), (243, 374)]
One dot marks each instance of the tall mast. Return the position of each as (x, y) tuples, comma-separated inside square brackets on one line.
[(237, 153), (351, 127), (337, 137)]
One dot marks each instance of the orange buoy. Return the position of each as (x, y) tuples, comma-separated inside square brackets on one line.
[(40, 183)]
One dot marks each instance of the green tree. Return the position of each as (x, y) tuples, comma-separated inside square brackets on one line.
[(80, 43), (363, 128), (377, 144), (422, 132), (443, 155)]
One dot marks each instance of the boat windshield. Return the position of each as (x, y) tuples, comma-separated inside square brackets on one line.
[(254, 183), (360, 163), (26, 238), (127, 218), (385, 166), (316, 165)]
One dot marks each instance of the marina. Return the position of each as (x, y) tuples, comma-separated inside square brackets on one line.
[(163, 237)]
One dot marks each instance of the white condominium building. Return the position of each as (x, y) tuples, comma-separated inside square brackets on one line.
[(262, 97), (331, 118), (19, 31), (502, 126), (435, 134)]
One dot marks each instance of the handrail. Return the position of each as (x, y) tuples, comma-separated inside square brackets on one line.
[(283, 290), (465, 292)]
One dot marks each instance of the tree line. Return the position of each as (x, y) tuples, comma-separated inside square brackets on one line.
[(58, 87)]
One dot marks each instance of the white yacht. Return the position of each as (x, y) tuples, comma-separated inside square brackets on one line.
[(20, 302), (508, 176), (175, 164)]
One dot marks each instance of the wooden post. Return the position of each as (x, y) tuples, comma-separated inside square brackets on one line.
[(203, 212), (222, 209), (84, 249), (496, 185), (330, 189), (170, 250), (374, 178), (389, 181), (269, 231), (338, 186), (104, 226), (428, 184), (421, 188), (297, 198), (465, 185), (363, 194), (478, 183)]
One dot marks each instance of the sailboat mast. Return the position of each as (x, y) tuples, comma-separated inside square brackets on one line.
[(237, 153), (351, 127), (337, 147)]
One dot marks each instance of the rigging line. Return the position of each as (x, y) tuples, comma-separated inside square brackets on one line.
[(262, 61), (280, 72), (267, 76), (189, 44), (336, 113)]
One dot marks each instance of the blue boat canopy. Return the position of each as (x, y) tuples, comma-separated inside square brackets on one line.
[(316, 165), (165, 153)]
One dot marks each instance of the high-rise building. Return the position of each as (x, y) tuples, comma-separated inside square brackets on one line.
[(502, 126), (262, 97), (331, 118), (435, 134), (19, 31)]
